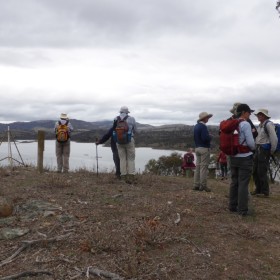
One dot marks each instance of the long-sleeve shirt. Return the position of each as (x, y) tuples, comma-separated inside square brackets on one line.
[(109, 135), (246, 138), (267, 135), (131, 123), (202, 137), (69, 126)]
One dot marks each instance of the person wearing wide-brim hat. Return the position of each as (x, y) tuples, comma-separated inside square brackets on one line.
[(126, 148), (63, 129), (266, 146), (202, 140)]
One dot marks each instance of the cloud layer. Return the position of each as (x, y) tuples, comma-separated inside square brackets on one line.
[(166, 60)]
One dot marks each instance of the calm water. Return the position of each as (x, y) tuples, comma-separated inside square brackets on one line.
[(83, 155)]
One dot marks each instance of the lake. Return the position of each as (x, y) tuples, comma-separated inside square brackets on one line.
[(83, 155)]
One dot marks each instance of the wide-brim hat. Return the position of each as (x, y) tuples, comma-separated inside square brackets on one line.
[(262, 111), (204, 115), (124, 109), (234, 107), (64, 116)]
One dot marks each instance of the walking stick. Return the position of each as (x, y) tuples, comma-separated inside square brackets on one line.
[(96, 153)]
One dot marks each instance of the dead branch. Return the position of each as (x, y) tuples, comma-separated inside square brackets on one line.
[(98, 272), (103, 273), (25, 274), (29, 243)]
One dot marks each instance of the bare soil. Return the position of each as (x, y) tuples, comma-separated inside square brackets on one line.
[(93, 227)]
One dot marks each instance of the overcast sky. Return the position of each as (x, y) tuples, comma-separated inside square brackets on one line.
[(167, 60)]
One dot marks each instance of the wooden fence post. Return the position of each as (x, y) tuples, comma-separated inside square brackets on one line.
[(41, 147)]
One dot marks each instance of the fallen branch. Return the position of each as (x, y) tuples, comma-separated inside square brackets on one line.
[(29, 243), (98, 272), (25, 274), (103, 273)]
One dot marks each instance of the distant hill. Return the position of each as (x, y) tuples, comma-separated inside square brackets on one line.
[(175, 136)]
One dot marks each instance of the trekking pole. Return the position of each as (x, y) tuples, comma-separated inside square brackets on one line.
[(96, 154)]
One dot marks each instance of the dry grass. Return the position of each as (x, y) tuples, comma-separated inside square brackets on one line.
[(130, 230)]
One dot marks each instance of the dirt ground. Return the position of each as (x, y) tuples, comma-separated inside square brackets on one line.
[(80, 226)]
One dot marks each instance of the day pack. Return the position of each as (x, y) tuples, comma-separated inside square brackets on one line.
[(121, 134), (277, 130), (188, 158), (229, 137), (62, 133)]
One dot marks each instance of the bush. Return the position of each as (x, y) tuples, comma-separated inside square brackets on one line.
[(165, 165)]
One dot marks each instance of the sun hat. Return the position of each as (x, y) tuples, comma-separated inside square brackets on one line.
[(204, 115), (262, 111), (243, 108), (124, 109), (64, 116), (235, 105)]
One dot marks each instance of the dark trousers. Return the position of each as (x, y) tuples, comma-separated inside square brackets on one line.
[(241, 171), (116, 159), (223, 169), (260, 170)]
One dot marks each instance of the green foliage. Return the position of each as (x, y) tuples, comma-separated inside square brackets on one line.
[(165, 165)]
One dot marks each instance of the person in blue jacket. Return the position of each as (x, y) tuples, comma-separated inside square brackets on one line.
[(106, 137), (202, 140)]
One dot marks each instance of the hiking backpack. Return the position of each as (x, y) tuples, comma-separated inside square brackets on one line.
[(121, 134), (189, 158), (277, 130), (229, 138), (62, 133)]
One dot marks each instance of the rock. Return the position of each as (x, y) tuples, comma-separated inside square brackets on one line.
[(6, 207), (11, 233)]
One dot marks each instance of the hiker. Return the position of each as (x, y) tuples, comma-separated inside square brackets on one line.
[(63, 129), (222, 162), (234, 116), (124, 136), (116, 159), (266, 146), (188, 163), (202, 140), (241, 163)]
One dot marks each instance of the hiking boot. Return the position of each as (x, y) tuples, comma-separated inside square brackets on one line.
[(254, 193), (232, 209), (196, 189), (266, 194), (205, 189)]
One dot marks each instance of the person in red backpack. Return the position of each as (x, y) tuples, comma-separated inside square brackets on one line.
[(63, 129), (188, 162), (222, 161), (242, 164)]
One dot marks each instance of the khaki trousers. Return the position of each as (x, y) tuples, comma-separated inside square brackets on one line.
[(201, 171), (127, 158), (62, 151)]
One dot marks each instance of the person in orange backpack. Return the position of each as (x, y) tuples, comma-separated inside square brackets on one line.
[(63, 129)]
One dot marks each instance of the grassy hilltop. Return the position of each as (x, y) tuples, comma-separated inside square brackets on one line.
[(78, 225)]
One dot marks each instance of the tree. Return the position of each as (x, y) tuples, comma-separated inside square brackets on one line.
[(165, 165)]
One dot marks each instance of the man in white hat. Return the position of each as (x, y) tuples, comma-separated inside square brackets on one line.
[(202, 140), (266, 146), (63, 129), (126, 148)]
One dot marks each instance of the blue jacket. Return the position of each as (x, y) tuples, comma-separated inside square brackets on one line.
[(201, 135), (108, 135)]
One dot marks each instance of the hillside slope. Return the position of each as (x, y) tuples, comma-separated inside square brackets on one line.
[(80, 224)]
